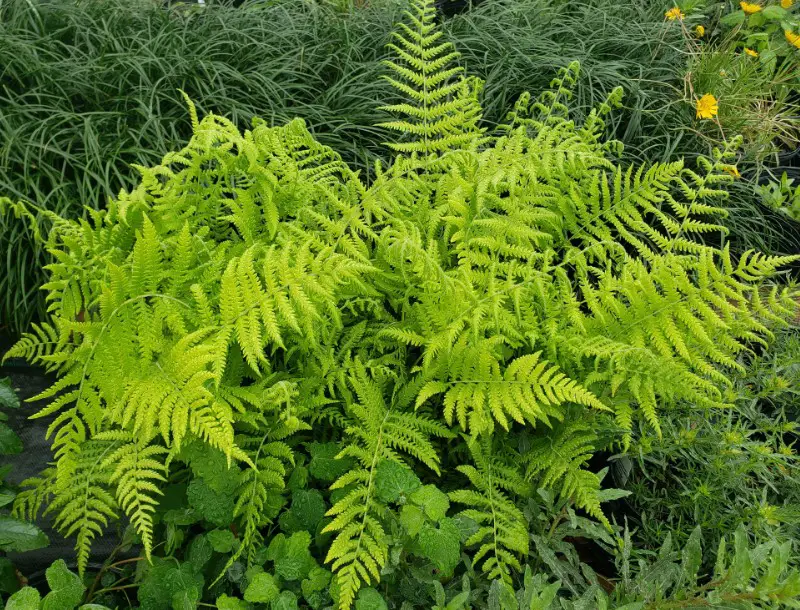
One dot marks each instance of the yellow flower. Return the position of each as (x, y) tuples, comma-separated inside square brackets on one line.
[(787, 4), (749, 8), (707, 107), (792, 38), (700, 31), (751, 52), (674, 13)]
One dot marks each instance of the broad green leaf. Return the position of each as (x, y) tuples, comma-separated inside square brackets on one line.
[(324, 465), (393, 480), (285, 601), (8, 397), (66, 588), (222, 541), (295, 562), (412, 519), (774, 12), (225, 602), (308, 508), (20, 536), (215, 506), (432, 500), (441, 545), (10, 443), (369, 599), (262, 589), (200, 552), (7, 496), (734, 18), (8, 576), (186, 599), (26, 598), (164, 579), (318, 580)]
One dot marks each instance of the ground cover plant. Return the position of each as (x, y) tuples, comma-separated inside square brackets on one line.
[(300, 385)]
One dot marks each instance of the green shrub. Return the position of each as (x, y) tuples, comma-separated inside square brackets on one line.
[(434, 344)]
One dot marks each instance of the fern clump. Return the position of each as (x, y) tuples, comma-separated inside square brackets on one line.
[(500, 303)]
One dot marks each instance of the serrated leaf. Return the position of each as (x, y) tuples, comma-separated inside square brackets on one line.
[(21, 536), (163, 580), (432, 500), (308, 508), (222, 541), (262, 589), (10, 443), (200, 552), (214, 506), (285, 601), (186, 599), (412, 518), (442, 545), (8, 397), (369, 599), (295, 562), (66, 588), (318, 580), (224, 602), (394, 481), (26, 598), (324, 465)]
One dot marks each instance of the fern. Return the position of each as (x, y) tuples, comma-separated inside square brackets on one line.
[(502, 535), (483, 288), (376, 432), (441, 112), (558, 457)]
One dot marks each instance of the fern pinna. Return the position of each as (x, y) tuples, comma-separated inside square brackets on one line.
[(494, 298)]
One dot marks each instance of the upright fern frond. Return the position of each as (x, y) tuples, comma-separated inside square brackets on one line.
[(502, 533), (376, 432), (442, 111)]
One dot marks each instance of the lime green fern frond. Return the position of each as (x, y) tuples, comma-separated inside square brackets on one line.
[(442, 111), (557, 459), (502, 535), (377, 432)]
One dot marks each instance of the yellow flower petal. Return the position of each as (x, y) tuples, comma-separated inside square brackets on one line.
[(700, 31), (792, 38), (674, 13), (751, 52), (707, 107), (787, 4), (749, 8)]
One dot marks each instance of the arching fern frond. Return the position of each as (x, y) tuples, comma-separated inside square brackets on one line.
[(556, 459)]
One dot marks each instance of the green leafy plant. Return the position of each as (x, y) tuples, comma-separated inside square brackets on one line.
[(720, 470), (16, 535), (482, 316)]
